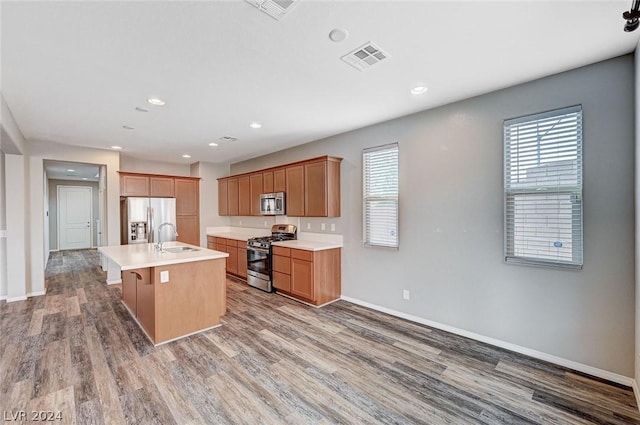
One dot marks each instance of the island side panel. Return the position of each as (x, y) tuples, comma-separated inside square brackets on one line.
[(145, 300), (193, 299)]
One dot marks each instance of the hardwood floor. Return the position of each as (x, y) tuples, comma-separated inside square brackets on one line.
[(77, 351)]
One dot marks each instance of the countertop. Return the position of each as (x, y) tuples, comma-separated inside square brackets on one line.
[(135, 256), (307, 245), (232, 235)]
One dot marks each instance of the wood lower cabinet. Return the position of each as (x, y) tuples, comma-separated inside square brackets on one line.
[(130, 280), (193, 298), (236, 263), (311, 276)]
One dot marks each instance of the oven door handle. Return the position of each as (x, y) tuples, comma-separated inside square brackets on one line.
[(253, 248)]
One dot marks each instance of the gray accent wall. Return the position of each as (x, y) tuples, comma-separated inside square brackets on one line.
[(451, 220)]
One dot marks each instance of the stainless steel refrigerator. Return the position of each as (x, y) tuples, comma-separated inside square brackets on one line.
[(143, 218)]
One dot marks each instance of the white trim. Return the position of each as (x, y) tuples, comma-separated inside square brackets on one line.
[(114, 282), (636, 392), (37, 293), (590, 370), (14, 299), (3, 297)]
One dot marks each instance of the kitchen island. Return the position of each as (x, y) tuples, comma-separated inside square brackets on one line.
[(172, 293)]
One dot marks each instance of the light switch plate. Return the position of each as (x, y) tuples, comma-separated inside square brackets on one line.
[(322, 226), (164, 276)]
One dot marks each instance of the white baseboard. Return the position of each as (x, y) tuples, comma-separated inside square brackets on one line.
[(3, 297), (14, 299), (636, 392), (600, 373), (37, 293), (114, 282)]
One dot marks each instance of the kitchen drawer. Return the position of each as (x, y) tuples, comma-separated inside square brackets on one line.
[(242, 244), (302, 254), (220, 247), (211, 245), (211, 239), (281, 264), (281, 281), (279, 250), (232, 242)]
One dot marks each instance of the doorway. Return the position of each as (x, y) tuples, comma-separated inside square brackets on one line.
[(75, 217)]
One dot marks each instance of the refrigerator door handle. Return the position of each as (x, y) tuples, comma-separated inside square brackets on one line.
[(151, 225)]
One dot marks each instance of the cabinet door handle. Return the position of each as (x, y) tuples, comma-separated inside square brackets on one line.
[(138, 275)]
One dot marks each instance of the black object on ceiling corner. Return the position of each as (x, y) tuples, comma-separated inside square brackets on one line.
[(632, 16)]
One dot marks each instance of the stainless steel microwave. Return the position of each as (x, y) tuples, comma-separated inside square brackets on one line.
[(272, 203)]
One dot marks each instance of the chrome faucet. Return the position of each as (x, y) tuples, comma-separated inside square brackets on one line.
[(160, 241)]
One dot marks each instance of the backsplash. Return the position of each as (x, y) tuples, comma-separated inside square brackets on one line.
[(304, 224)]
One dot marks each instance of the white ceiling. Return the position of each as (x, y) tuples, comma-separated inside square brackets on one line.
[(73, 72)]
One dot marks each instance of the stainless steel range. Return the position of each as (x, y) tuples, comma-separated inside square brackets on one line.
[(259, 255)]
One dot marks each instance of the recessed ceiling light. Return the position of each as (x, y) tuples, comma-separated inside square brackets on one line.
[(142, 109), (338, 35), (71, 170), (419, 90), (128, 127), (116, 147), (84, 178), (213, 144), (186, 156), (255, 125), (156, 101)]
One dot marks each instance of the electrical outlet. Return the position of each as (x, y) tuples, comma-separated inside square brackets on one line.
[(240, 223), (308, 226), (323, 226), (333, 227), (265, 224), (164, 276), (405, 294)]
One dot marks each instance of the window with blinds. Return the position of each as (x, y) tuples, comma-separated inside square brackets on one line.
[(380, 193), (543, 188)]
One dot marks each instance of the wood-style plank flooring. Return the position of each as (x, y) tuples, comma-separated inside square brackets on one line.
[(273, 361)]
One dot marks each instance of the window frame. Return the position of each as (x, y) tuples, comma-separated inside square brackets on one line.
[(396, 199), (575, 192)]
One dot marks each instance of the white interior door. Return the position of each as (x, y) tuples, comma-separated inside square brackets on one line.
[(74, 217)]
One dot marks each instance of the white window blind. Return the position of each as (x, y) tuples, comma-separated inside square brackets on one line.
[(543, 188), (380, 181)]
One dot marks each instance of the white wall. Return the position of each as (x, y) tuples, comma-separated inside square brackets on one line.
[(451, 227), (40, 151), (136, 165), (209, 173), (3, 228), (637, 218), (52, 204)]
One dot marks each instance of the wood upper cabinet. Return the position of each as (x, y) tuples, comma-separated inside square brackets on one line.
[(322, 188), (295, 191), (187, 197), (244, 195), (233, 196), (312, 189), (279, 180), (134, 185), (256, 191), (223, 197), (162, 187), (267, 182)]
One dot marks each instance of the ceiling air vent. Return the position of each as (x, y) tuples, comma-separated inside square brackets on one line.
[(365, 56), (228, 139), (274, 8)]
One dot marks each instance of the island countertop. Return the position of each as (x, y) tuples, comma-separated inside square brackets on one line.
[(134, 256)]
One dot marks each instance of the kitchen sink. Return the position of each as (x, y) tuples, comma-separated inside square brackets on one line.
[(178, 249)]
